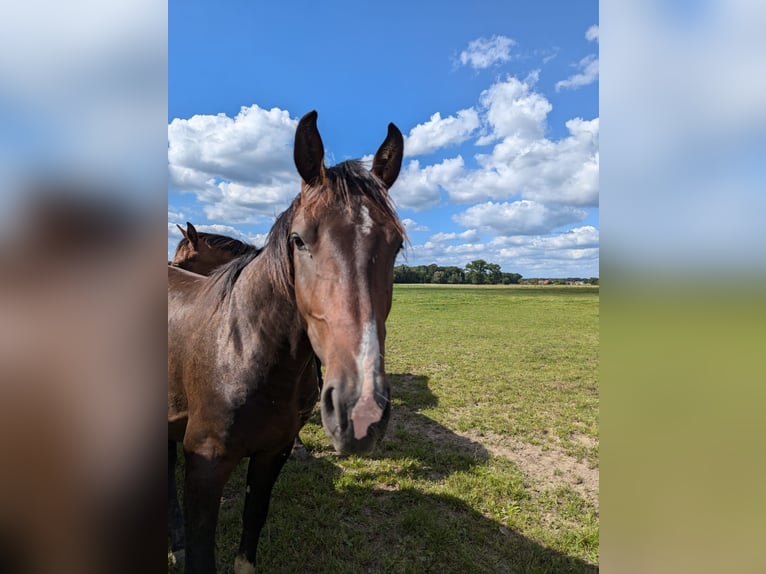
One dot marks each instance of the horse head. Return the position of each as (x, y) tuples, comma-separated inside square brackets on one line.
[(344, 238)]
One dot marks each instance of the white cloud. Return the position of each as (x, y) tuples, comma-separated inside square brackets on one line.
[(523, 163), (586, 237), (513, 109), (565, 171), (440, 132), (572, 253), (588, 66), (418, 188), (485, 52), (470, 248), (589, 74), (522, 217), (467, 235), (538, 259), (242, 167), (579, 238), (412, 225), (445, 254)]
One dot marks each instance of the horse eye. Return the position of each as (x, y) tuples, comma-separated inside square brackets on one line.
[(298, 242)]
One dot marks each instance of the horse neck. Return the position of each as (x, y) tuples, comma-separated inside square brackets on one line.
[(256, 300)]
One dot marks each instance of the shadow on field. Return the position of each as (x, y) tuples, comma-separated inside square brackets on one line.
[(439, 451), (325, 519), (384, 513), (320, 524)]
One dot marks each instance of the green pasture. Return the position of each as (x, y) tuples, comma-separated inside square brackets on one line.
[(490, 462)]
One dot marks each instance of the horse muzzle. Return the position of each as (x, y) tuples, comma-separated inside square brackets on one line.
[(356, 424)]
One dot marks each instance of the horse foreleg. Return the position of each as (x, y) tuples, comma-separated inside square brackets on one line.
[(205, 478), (262, 473), (175, 517), (299, 449)]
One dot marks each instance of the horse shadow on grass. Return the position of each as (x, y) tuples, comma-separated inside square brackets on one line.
[(385, 512), (411, 434)]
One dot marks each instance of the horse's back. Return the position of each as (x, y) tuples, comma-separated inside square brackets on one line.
[(183, 280)]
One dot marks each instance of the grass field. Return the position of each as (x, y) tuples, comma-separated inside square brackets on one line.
[(490, 462)]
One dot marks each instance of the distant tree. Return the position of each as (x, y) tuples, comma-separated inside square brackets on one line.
[(511, 278), (406, 274), (476, 272), (429, 273), (494, 274), (400, 274), (454, 275)]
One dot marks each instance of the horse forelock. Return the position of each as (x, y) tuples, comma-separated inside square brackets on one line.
[(344, 182)]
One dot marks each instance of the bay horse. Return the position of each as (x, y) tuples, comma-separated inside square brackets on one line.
[(201, 252), (241, 342)]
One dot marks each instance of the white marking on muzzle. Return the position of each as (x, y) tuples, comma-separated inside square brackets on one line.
[(178, 557), (366, 411), (243, 566)]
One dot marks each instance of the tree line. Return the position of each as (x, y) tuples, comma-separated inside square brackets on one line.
[(478, 272)]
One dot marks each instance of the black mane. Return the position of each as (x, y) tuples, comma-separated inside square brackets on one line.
[(221, 242)]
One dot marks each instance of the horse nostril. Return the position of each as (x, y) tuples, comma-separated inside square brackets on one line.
[(328, 405)]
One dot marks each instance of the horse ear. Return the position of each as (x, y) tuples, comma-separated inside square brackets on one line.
[(309, 151), (191, 234), (388, 159), (182, 230)]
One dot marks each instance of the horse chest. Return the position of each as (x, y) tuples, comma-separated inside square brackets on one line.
[(265, 420), (264, 401)]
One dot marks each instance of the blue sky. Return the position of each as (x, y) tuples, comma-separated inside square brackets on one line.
[(498, 102)]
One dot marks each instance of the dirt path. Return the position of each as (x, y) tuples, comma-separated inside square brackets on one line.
[(545, 468)]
